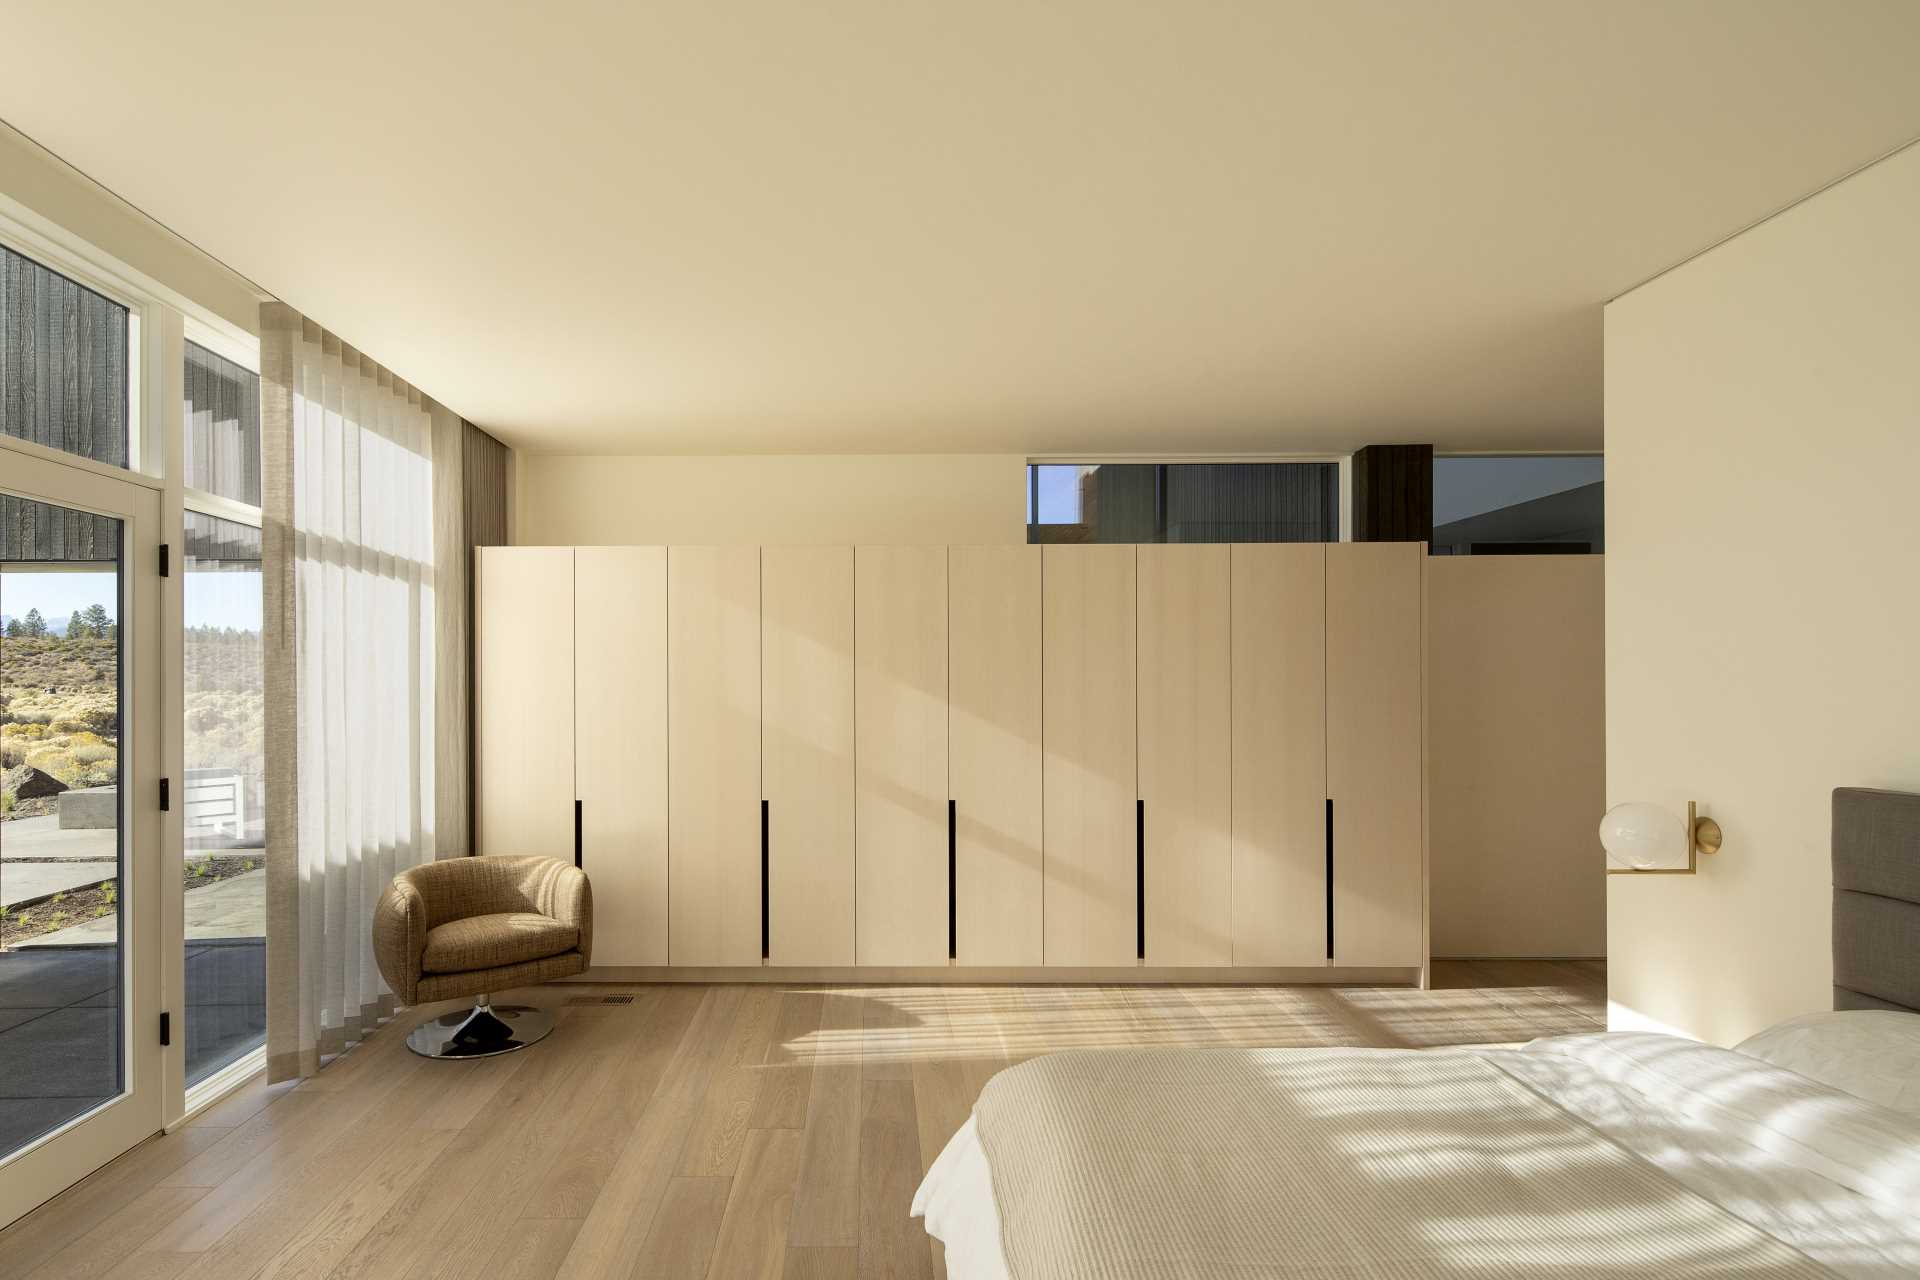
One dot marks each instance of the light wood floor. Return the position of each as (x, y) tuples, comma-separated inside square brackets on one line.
[(724, 1131)]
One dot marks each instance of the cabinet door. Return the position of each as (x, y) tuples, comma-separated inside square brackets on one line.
[(807, 751), (713, 718), (993, 732), (620, 751), (1374, 752), (1279, 754), (1089, 775), (900, 740), (523, 700), (1185, 744)]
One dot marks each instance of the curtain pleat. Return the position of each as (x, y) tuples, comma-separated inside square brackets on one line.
[(351, 636)]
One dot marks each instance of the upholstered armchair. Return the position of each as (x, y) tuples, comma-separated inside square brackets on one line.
[(471, 926)]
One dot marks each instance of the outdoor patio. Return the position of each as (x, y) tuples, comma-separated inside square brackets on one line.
[(60, 991)]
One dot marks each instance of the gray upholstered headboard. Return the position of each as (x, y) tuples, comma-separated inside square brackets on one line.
[(1876, 900)]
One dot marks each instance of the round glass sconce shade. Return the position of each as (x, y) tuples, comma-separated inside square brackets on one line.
[(1644, 836)]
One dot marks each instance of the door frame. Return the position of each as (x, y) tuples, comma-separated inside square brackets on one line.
[(55, 1162)]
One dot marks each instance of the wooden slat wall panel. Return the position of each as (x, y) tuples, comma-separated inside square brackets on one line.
[(63, 363), (900, 696), (1185, 745), (994, 756)]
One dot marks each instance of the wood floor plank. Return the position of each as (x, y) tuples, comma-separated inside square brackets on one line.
[(566, 1160), (117, 1238), (251, 1098), (69, 1216), (822, 1262), (539, 1246), (680, 1245), (406, 1240), (486, 1220), (242, 1233), (891, 1242), (719, 1130), (787, 1081), (826, 1208), (570, 1185), (753, 1233), (332, 1233), (888, 1034), (616, 1227)]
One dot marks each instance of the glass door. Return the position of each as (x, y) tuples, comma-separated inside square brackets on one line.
[(80, 920)]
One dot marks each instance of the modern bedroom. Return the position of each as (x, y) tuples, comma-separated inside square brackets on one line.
[(985, 642)]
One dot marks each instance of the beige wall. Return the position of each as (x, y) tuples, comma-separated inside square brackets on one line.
[(65, 197), (1517, 755), (1763, 440), (771, 499)]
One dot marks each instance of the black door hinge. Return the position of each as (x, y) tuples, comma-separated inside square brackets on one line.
[(166, 794), (166, 560), (166, 1029)]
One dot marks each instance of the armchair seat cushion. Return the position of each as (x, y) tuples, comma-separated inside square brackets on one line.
[(493, 941)]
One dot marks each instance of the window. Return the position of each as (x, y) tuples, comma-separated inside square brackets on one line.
[(221, 427), (1519, 505), (63, 363), (1183, 502), (224, 697)]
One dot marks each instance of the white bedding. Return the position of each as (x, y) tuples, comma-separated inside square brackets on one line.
[(1830, 1175)]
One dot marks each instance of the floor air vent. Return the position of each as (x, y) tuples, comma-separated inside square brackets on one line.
[(579, 1000)]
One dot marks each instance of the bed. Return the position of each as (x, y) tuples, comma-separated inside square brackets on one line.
[(1630, 1155)]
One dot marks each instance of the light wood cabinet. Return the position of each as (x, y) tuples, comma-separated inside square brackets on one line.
[(713, 718), (900, 749), (1089, 767), (806, 745), (523, 700), (620, 746), (1183, 755), (1375, 725), (1185, 752), (1279, 754), (994, 758)]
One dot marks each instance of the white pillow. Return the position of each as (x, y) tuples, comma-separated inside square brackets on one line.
[(1869, 1053)]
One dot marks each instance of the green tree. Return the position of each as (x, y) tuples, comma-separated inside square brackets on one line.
[(34, 627), (77, 626), (97, 620), (14, 630)]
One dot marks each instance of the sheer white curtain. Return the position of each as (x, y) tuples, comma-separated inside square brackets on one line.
[(349, 561)]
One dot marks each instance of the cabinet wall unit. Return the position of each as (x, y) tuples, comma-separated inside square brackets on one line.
[(900, 750), (1185, 752), (994, 759), (1017, 758), (523, 700), (1375, 753), (806, 752), (1089, 770), (713, 717), (1279, 754), (620, 746)]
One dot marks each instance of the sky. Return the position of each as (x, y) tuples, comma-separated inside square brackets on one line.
[(212, 599)]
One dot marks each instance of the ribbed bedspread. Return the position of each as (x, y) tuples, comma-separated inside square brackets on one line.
[(1331, 1163)]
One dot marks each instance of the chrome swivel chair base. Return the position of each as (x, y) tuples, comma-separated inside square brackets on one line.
[(484, 1031)]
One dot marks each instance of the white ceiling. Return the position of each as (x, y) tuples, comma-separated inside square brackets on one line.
[(978, 225)]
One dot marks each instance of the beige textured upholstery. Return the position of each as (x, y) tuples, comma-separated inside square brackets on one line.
[(471, 926)]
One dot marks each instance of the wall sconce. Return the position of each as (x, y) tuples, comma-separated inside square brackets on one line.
[(1650, 840)]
